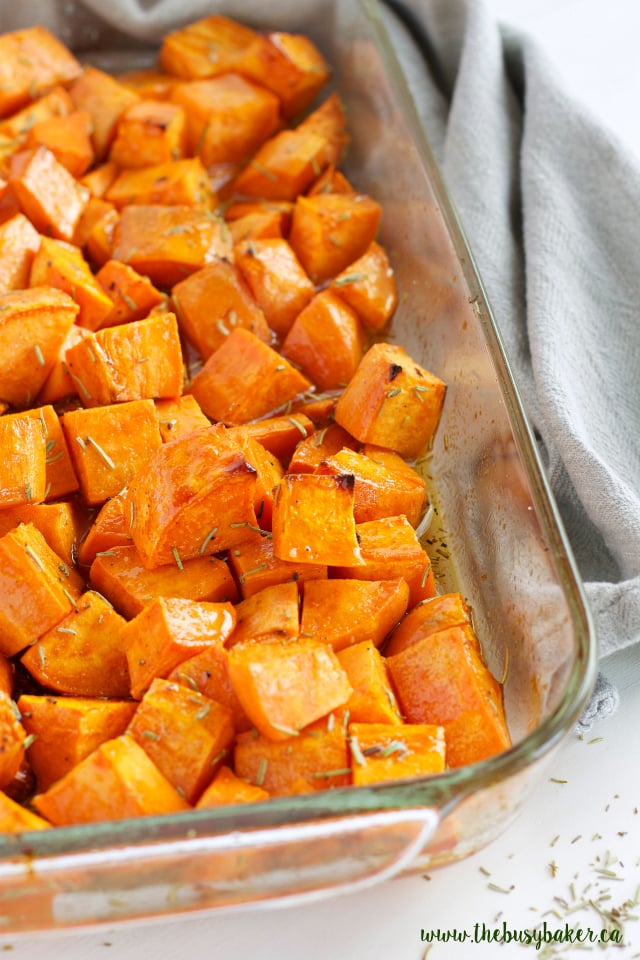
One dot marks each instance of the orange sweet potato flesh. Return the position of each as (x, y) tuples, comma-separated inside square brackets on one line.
[(149, 133), (346, 612), (255, 567), (427, 617), (19, 241), (31, 60), (47, 193), (326, 341), (389, 752), (226, 788), (373, 699), (208, 673), (61, 265), (23, 472), (12, 737), (272, 612), (15, 818), (116, 781), (276, 279)]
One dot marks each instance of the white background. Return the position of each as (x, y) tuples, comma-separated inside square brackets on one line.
[(571, 829)]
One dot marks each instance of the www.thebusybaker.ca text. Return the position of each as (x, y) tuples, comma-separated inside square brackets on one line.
[(481, 933)]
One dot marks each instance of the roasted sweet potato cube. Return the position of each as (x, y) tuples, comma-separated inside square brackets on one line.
[(19, 241), (81, 723), (132, 361), (15, 818), (212, 302), (168, 631), (116, 781), (150, 83), (384, 751), (284, 166), (83, 654), (23, 470), (106, 100), (95, 229), (276, 279), (268, 475), (271, 613), (369, 286), (330, 231), (391, 401), (7, 675), (316, 759), (12, 736), (427, 617), (119, 574), (208, 673), (132, 295), (149, 132), (245, 379), (326, 341), (109, 444), (329, 121), (372, 700), (99, 178), (52, 105), (59, 523), (47, 193), (238, 209), (166, 243), (285, 685), (226, 788), (260, 225), (173, 183), (319, 446), (344, 612), (186, 735), (205, 48), (228, 117), (68, 138), (33, 326), (31, 61), (331, 180), (290, 65), (194, 497), (59, 385), (313, 520), (255, 567), (178, 417), (37, 589), (384, 487), (441, 679), (109, 529), (389, 548), (62, 265), (278, 435)]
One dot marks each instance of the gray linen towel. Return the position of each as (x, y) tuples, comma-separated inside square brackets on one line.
[(550, 203)]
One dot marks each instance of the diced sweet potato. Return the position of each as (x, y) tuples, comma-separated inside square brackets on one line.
[(166, 243), (288, 64), (32, 60), (319, 446), (278, 435), (178, 417), (195, 496), (95, 229), (316, 759), (106, 100), (284, 685), (117, 780), (392, 401), (284, 166), (23, 476), (61, 479), (330, 231), (59, 524), (132, 361), (389, 548), (212, 302), (427, 617), (47, 193), (33, 326), (441, 679), (133, 296), (368, 285), (19, 241), (372, 700), (255, 567), (186, 735), (313, 520), (205, 48), (276, 279), (61, 265), (226, 788), (32, 604), (208, 673), (245, 379), (83, 654), (326, 341), (108, 529), (12, 736), (81, 723), (68, 138), (148, 133), (345, 612), (109, 444), (15, 818), (173, 183), (150, 83), (228, 117), (119, 574), (389, 752), (168, 631), (272, 612), (99, 179), (59, 385)]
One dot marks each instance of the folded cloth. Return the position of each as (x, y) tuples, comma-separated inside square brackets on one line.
[(550, 203)]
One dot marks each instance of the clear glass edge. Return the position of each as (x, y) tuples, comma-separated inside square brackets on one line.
[(441, 792)]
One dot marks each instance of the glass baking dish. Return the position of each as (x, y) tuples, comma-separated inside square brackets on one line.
[(496, 536)]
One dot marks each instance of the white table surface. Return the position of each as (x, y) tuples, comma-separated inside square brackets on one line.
[(567, 831)]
